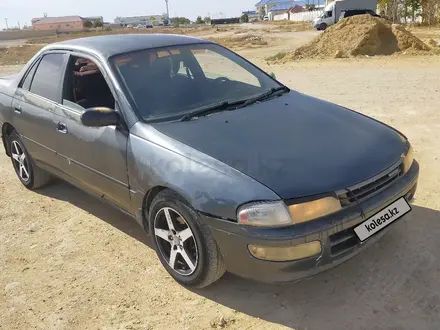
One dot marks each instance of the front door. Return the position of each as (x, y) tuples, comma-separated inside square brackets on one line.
[(94, 158)]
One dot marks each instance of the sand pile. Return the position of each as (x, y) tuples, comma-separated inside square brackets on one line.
[(431, 42), (361, 35)]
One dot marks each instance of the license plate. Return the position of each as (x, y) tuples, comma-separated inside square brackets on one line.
[(382, 219)]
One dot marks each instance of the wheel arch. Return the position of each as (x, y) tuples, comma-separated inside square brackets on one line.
[(148, 200), (6, 131)]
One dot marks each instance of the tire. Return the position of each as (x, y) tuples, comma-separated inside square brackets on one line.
[(201, 249), (322, 27), (31, 176)]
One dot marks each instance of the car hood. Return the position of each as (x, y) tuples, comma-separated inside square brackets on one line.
[(295, 144)]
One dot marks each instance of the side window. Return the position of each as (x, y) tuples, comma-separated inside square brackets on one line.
[(215, 66), (329, 13), (26, 84), (85, 86), (47, 78)]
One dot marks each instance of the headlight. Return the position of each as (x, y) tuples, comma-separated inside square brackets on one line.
[(407, 159), (264, 215), (314, 209), (277, 214), (408, 155)]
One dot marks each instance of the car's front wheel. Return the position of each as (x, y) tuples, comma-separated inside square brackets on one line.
[(183, 243), (31, 176)]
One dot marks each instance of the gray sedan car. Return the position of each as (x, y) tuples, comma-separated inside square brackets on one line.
[(225, 167)]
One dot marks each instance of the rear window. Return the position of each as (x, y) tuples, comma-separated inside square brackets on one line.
[(28, 80)]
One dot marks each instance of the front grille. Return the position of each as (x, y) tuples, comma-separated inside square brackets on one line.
[(370, 187), (342, 242)]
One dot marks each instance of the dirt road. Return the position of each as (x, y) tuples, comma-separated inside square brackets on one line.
[(69, 262)]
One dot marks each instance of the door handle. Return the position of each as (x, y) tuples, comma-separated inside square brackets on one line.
[(62, 128), (17, 108)]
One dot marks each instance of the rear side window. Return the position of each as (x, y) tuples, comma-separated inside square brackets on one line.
[(28, 80), (47, 78)]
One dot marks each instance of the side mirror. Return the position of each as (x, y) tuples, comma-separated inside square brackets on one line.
[(99, 117), (273, 75)]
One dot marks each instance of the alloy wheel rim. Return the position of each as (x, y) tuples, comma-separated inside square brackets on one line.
[(20, 161), (176, 241)]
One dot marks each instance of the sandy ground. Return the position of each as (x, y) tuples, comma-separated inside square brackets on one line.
[(69, 262), (11, 43)]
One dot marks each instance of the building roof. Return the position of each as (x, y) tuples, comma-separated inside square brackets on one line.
[(285, 5), (109, 45), (137, 17), (299, 2), (266, 2), (134, 19), (297, 9), (93, 18), (61, 19)]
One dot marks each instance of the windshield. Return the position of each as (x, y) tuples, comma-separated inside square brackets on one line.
[(168, 83), (328, 10)]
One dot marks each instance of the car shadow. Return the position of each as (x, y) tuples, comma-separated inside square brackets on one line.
[(391, 285), (64, 191)]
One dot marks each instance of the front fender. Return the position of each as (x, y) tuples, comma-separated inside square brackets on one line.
[(210, 186)]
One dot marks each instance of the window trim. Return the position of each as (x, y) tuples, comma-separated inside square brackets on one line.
[(63, 53), (29, 69), (104, 73)]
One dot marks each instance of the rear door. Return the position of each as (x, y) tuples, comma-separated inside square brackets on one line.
[(35, 103)]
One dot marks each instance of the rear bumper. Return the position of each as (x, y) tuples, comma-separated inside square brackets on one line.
[(335, 232)]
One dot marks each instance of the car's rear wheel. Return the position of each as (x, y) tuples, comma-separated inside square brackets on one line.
[(31, 176), (183, 243)]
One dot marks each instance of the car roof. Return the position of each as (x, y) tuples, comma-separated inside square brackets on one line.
[(109, 45)]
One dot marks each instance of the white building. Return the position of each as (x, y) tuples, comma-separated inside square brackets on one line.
[(264, 7), (136, 20)]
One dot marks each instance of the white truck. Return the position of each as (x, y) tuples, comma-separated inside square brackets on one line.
[(333, 10)]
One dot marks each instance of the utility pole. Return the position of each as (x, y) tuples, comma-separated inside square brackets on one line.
[(6, 20), (19, 25), (168, 10)]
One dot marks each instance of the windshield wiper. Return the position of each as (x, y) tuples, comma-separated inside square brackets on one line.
[(264, 95), (216, 107)]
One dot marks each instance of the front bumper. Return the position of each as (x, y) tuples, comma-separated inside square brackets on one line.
[(335, 232)]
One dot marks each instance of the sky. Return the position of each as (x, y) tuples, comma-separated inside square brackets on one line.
[(24, 10)]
